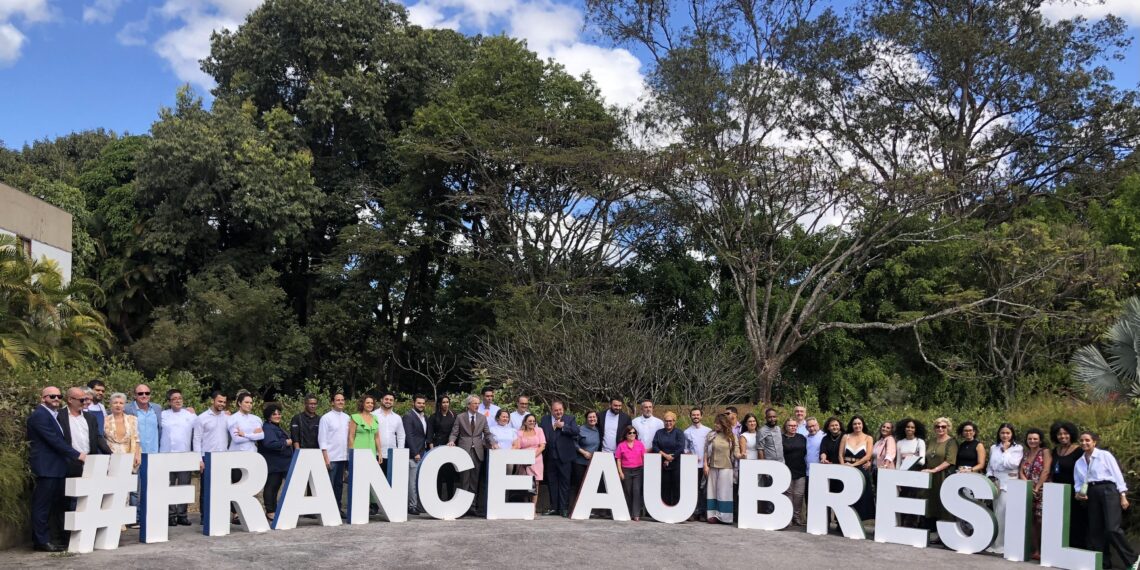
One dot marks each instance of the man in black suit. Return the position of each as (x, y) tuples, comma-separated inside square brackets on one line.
[(80, 430), (561, 433), (612, 423), (417, 435), (49, 455), (472, 434)]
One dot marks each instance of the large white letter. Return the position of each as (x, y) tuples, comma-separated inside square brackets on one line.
[(429, 493), (102, 495), (307, 472), (1018, 520), (218, 492), (157, 494), (499, 481), (366, 480), (686, 503), (968, 510), (888, 505), (752, 493), (822, 499), (602, 467), (1055, 551)]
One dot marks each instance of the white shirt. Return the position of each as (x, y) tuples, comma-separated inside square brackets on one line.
[(610, 438), (1003, 465), (647, 428), (332, 435), (391, 429), (488, 413), (248, 424), (1102, 466), (177, 431), (695, 438), (905, 448), (517, 419), (504, 435), (80, 435), (211, 432)]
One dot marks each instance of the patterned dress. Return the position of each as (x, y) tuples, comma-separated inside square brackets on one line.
[(1033, 469)]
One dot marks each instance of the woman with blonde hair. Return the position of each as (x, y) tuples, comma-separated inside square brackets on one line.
[(720, 466), (941, 458), (122, 430)]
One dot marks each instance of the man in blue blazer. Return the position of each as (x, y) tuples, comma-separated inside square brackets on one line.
[(561, 433), (49, 453), (417, 434)]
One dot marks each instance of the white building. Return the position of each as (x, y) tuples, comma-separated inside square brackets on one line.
[(43, 229)]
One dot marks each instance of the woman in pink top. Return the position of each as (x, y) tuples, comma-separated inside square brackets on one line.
[(630, 455), (531, 438)]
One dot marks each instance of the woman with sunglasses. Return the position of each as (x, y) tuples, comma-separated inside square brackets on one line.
[(720, 469), (630, 455), (941, 457)]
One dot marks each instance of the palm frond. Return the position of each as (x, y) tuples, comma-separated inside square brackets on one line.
[(1098, 376)]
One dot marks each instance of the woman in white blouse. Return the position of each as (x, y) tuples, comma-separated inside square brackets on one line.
[(1005, 458), (910, 442), (503, 431)]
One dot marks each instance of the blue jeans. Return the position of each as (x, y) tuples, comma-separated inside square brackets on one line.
[(337, 470)]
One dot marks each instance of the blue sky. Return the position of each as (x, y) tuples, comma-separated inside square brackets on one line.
[(68, 65)]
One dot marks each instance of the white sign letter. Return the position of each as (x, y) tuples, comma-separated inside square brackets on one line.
[(603, 467), (841, 503), (218, 492), (1055, 551), (888, 505), (307, 472), (366, 480), (500, 481), (969, 511), (429, 493), (157, 494), (752, 493)]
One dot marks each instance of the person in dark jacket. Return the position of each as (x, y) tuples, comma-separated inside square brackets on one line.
[(440, 425), (49, 454), (561, 433), (670, 444), (277, 449), (417, 438)]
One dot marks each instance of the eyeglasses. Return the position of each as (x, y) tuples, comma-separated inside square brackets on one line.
[(940, 427), (142, 393), (53, 396)]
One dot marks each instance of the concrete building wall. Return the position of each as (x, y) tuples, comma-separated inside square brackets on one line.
[(46, 227)]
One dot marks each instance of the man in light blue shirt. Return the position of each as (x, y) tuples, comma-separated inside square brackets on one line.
[(695, 438), (149, 417)]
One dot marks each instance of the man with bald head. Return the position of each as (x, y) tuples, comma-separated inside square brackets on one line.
[(80, 429), (49, 454)]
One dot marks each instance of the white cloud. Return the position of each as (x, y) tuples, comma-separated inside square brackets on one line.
[(552, 30), (102, 11), (12, 40), (1128, 10)]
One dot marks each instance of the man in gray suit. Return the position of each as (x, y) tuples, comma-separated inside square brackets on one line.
[(472, 434)]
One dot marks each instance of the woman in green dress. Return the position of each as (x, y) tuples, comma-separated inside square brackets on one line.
[(364, 430), (941, 457)]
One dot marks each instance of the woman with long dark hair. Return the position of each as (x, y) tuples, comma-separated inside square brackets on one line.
[(1005, 459), (1066, 453), (1101, 484), (1036, 465), (857, 448), (442, 420)]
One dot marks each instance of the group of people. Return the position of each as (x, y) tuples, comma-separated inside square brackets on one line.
[(62, 432)]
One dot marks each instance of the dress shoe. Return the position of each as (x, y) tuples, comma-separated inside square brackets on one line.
[(183, 521), (172, 521), (133, 525), (550, 513), (49, 547)]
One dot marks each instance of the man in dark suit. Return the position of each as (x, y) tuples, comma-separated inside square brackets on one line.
[(49, 455), (80, 430), (612, 423), (472, 434), (417, 435), (561, 433)]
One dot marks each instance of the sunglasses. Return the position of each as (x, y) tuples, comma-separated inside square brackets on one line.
[(941, 427), (142, 393), (53, 396)]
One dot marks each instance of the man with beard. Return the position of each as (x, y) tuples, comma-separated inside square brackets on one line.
[(417, 435), (305, 426)]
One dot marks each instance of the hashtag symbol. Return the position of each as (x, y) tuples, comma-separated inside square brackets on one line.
[(103, 494)]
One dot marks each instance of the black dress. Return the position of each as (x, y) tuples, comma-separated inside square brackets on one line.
[(441, 425), (968, 454), (1063, 469), (830, 447), (865, 506)]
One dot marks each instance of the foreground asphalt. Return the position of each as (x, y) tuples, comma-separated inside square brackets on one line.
[(476, 543)]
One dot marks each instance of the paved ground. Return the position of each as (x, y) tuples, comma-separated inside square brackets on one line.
[(514, 545)]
